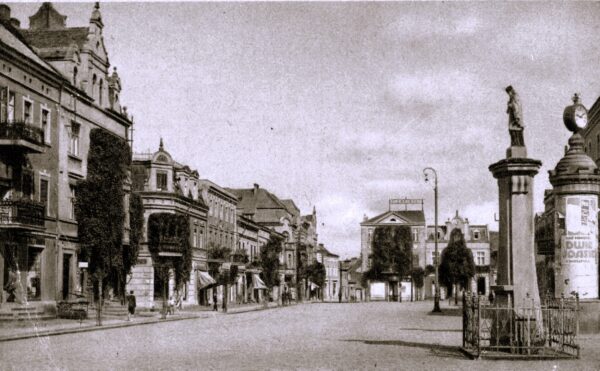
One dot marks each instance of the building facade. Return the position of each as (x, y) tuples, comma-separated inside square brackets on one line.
[(415, 219), (331, 262), (167, 186), (46, 114), (477, 239)]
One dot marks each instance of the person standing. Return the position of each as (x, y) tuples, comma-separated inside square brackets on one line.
[(131, 304), (215, 308)]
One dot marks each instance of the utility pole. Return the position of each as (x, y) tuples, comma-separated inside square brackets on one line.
[(436, 300)]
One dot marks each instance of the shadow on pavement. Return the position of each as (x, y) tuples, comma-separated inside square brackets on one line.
[(452, 312), (437, 349)]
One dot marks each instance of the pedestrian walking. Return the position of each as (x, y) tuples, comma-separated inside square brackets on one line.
[(171, 306), (215, 308), (131, 304)]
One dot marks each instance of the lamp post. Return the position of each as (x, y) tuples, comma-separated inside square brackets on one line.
[(436, 300)]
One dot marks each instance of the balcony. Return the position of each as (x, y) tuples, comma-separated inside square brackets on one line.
[(170, 246), (21, 136), (21, 214)]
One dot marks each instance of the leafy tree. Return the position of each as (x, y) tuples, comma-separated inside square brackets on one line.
[(269, 261), (457, 266), (316, 274), (218, 252), (429, 269), (100, 212), (417, 275), (136, 225), (391, 252)]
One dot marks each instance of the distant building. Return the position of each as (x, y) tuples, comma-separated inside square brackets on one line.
[(415, 219), (167, 186), (477, 238), (355, 290), (331, 262)]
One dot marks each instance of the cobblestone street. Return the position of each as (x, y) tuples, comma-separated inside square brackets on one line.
[(401, 336)]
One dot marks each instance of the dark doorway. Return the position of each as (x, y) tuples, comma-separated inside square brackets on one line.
[(481, 285), (66, 275)]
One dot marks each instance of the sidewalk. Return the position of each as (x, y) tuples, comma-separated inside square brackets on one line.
[(16, 330)]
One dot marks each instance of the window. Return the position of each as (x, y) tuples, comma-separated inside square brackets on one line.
[(44, 196), (161, 181), (201, 240), (480, 257), (195, 237), (27, 111), (72, 202), (45, 118), (3, 103), (75, 76), (74, 139), (100, 92), (476, 234), (11, 107)]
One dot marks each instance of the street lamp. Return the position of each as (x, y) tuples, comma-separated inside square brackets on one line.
[(428, 171)]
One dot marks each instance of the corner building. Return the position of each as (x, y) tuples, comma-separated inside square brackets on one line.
[(55, 87)]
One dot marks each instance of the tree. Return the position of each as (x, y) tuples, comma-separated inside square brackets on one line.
[(136, 225), (269, 261), (316, 274), (391, 253), (457, 266), (417, 275), (100, 212)]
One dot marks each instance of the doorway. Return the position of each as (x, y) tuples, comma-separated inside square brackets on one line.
[(66, 275), (481, 285)]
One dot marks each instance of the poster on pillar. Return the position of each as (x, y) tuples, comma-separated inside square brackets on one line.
[(579, 248)]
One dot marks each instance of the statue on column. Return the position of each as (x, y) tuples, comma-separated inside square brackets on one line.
[(515, 118)]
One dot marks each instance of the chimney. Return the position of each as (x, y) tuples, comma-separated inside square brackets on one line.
[(15, 23), (4, 13), (256, 188)]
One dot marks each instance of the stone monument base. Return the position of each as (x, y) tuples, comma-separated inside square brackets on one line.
[(516, 152)]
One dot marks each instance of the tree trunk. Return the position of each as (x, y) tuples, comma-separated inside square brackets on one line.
[(456, 294), (99, 303)]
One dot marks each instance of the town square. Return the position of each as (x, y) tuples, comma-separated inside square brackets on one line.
[(299, 185)]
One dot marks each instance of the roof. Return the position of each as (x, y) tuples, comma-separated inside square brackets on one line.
[(308, 218), (291, 206), (410, 216), (252, 199), (62, 38), (10, 37), (218, 188)]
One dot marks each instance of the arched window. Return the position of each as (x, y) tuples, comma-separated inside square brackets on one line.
[(100, 92), (75, 76), (93, 85)]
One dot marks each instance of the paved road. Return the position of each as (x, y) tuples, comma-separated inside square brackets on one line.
[(399, 336)]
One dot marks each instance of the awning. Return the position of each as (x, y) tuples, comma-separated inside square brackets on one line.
[(257, 282), (205, 280), (313, 286)]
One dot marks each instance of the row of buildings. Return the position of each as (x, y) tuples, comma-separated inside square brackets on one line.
[(56, 86)]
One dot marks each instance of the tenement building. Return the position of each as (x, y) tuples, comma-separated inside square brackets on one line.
[(477, 239), (55, 87), (168, 187), (267, 210)]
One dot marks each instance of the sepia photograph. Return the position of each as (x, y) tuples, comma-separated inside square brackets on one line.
[(299, 185)]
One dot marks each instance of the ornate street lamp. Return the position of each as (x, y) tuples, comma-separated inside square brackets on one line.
[(428, 172)]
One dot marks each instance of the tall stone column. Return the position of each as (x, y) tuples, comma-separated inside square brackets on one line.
[(516, 282)]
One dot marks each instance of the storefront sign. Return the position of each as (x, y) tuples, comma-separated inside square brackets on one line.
[(579, 248)]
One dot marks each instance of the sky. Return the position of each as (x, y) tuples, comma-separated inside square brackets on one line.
[(342, 105)]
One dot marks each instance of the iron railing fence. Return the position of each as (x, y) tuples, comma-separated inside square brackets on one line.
[(547, 330)]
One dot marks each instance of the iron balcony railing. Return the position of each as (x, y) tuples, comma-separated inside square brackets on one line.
[(21, 130), (21, 213)]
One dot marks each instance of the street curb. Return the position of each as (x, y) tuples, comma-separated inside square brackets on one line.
[(114, 325)]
